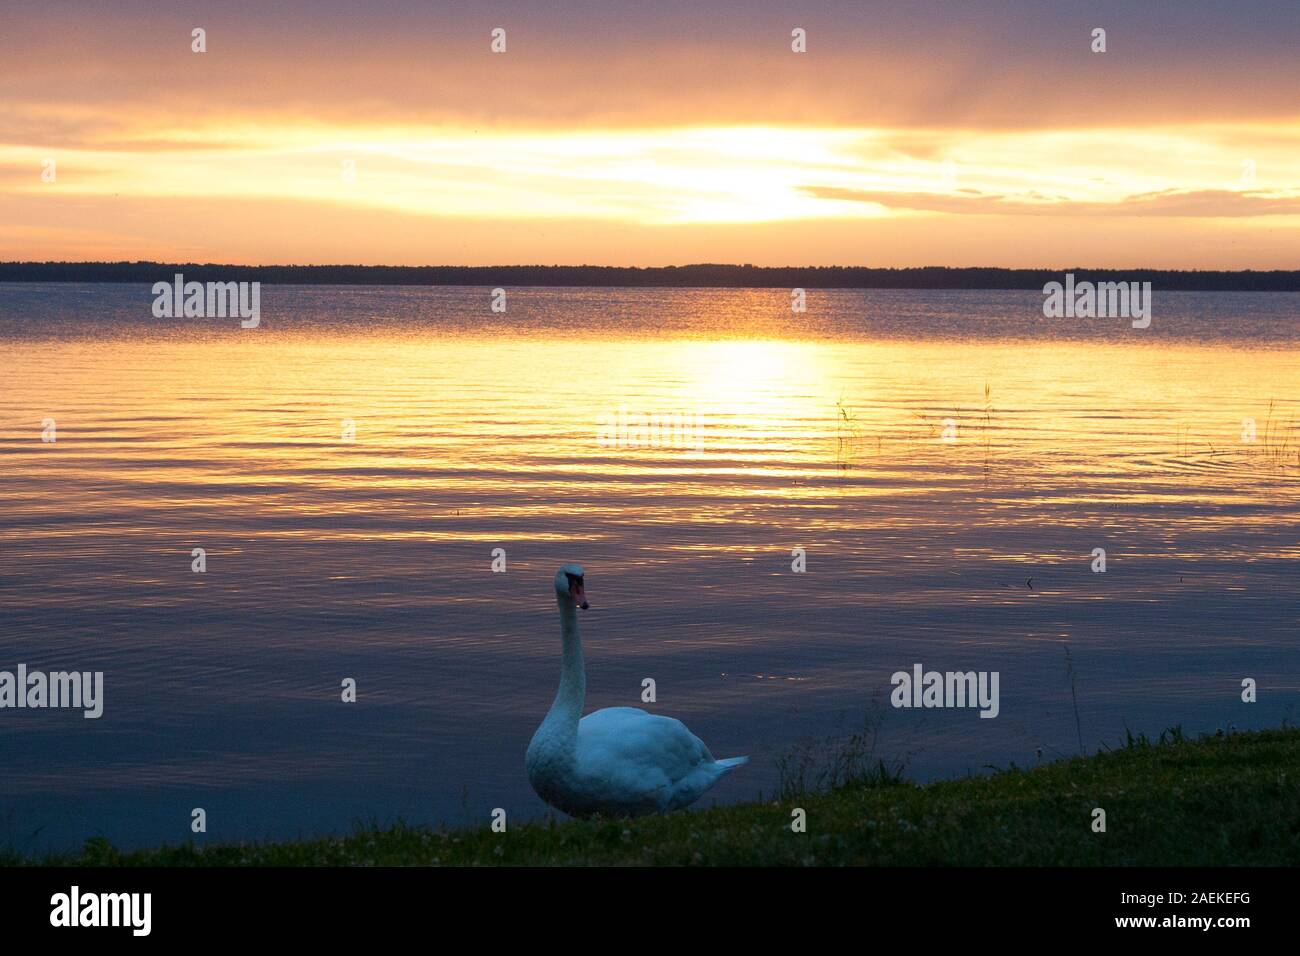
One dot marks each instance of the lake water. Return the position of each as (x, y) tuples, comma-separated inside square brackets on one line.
[(949, 461)]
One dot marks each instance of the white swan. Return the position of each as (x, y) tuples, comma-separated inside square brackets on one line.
[(618, 761)]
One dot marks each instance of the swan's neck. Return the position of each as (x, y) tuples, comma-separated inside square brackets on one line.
[(562, 720)]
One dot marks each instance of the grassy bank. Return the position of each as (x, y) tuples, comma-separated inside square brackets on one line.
[(1222, 800)]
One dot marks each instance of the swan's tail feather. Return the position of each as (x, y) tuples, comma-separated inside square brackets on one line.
[(731, 763)]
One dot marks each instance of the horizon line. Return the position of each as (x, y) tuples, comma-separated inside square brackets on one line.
[(691, 275)]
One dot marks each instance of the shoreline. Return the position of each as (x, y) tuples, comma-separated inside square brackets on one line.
[(696, 276), (1220, 800)]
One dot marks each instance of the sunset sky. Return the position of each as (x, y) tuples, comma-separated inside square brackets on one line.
[(621, 133)]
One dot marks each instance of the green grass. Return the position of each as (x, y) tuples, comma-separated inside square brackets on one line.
[(1221, 800)]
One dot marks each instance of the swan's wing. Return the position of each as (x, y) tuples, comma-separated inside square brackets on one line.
[(633, 756), (629, 733)]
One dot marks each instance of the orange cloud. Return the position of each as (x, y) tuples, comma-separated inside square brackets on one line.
[(1204, 203)]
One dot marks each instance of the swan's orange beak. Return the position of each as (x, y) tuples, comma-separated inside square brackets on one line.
[(579, 595)]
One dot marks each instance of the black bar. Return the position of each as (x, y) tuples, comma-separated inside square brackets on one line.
[(329, 906)]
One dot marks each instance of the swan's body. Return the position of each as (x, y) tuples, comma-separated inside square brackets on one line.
[(618, 761)]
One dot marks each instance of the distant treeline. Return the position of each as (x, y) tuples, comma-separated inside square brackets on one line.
[(692, 276)]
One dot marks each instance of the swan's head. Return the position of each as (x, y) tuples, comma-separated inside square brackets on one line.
[(569, 586)]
